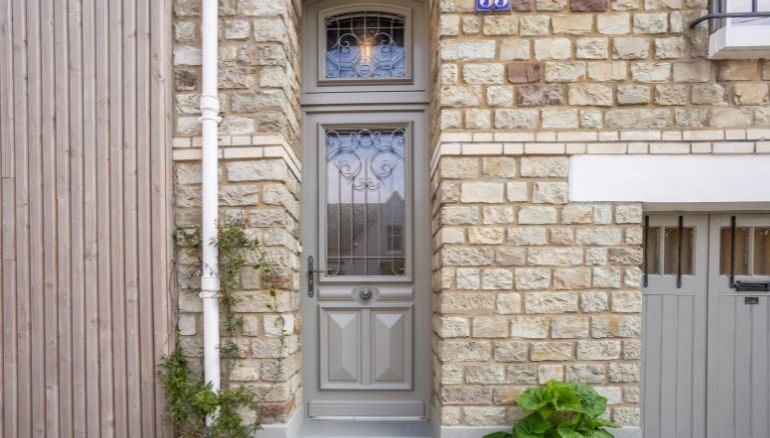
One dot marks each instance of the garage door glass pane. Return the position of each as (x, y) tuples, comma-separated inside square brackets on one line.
[(741, 251), (762, 251), (651, 248), (366, 202), (365, 45), (671, 248)]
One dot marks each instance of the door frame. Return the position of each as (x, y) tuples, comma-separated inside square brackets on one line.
[(419, 183)]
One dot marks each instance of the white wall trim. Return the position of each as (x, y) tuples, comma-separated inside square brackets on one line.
[(670, 179), (619, 142)]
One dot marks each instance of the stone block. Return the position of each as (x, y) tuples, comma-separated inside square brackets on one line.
[(537, 215), (555, 256), (523, 72), (490, 327), (572, 24), (558, 118), (589, 5), (623, 372), (598, 350), (546, 373), (590, 95), (501, 25), (549, 302), (654, 22), (509, 303), (592, 48), (464, 256), (613, 24), (540, 95), (630, 48), (594, 302), (739, 70), (499, 96), (483, 73), (607, 71), (497, 279), (706, 94), (467, 50), (552, 48), (511, 351), (651, 71), (527, 236), (516, 118), (556, 351), (570, 327), (544, 167), (633, 94), (464, 351), (534, 25), (531, 279), (466, 395), (615, 326), (530, 327), (571, 278), (514, 49), (671, 94), (590, 374), (572, 71), (750, 94)]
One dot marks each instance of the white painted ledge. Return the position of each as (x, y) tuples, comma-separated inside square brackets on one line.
[(290, 429), (670, 179)]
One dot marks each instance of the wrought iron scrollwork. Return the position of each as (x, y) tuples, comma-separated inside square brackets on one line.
[(365, 45)]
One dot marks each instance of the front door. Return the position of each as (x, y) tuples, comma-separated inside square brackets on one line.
[(366, 264), (706, 327)]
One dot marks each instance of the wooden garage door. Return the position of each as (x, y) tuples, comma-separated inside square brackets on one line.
[(705, 352)]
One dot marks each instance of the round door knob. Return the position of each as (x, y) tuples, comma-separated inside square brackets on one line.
[(365, 293)]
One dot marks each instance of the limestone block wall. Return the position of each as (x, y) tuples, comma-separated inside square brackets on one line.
[(259, 182), (590, 64), (530, 288)]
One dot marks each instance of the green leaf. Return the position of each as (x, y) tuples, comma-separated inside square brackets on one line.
[(532, 399), (498, 435)]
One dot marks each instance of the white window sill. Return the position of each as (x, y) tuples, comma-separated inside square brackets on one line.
[(740, 41)]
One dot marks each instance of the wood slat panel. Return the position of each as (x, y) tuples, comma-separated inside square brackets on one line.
[(85, 107)]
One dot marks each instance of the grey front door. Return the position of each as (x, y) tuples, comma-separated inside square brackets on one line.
[(366, 264), (706, 334)]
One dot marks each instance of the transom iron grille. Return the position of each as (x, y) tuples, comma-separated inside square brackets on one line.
[(366, 201), (365, 45)]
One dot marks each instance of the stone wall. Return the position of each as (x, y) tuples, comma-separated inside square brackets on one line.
[(528, 285), (591, 64), (259, 183), (532, 288)]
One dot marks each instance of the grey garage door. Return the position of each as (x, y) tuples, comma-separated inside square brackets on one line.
[(706, 348)]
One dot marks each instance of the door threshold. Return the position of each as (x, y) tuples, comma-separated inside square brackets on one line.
[(369, 428)]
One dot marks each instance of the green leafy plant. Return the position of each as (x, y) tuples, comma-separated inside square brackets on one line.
[(189, 400), (560, 410)]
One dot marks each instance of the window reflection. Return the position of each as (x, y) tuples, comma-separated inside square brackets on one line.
[(365, 45), (366, 201)]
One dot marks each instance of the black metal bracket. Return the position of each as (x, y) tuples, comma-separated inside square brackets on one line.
[(742, 286), (679, 258), (718, 15)]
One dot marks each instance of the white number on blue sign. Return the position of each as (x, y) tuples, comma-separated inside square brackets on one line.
[(493, 5), (483, 5), (502, 5)]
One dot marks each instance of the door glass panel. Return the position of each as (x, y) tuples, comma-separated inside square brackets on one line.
[(741, 251), (651, 248), (671, 248), (366, 202), (761, 251), (365, 45)]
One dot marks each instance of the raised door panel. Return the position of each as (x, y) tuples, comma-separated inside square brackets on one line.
[(340, 348), (392, 348)]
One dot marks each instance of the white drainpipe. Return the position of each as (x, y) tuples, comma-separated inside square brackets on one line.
[(209, 199)]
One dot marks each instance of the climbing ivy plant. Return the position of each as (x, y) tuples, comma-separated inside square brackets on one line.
[(190, 400)]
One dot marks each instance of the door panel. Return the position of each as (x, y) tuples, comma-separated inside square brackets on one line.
[(365, 344), (739, 331), (674, 328)]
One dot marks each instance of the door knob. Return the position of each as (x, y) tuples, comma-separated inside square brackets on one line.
[(365, 293)]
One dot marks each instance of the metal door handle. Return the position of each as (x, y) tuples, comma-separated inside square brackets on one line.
[(311, 271), (365, 293)]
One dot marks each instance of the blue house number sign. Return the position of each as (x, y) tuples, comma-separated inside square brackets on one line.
[(493, 5)]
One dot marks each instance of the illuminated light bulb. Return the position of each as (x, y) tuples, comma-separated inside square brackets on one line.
[(366, 50)]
